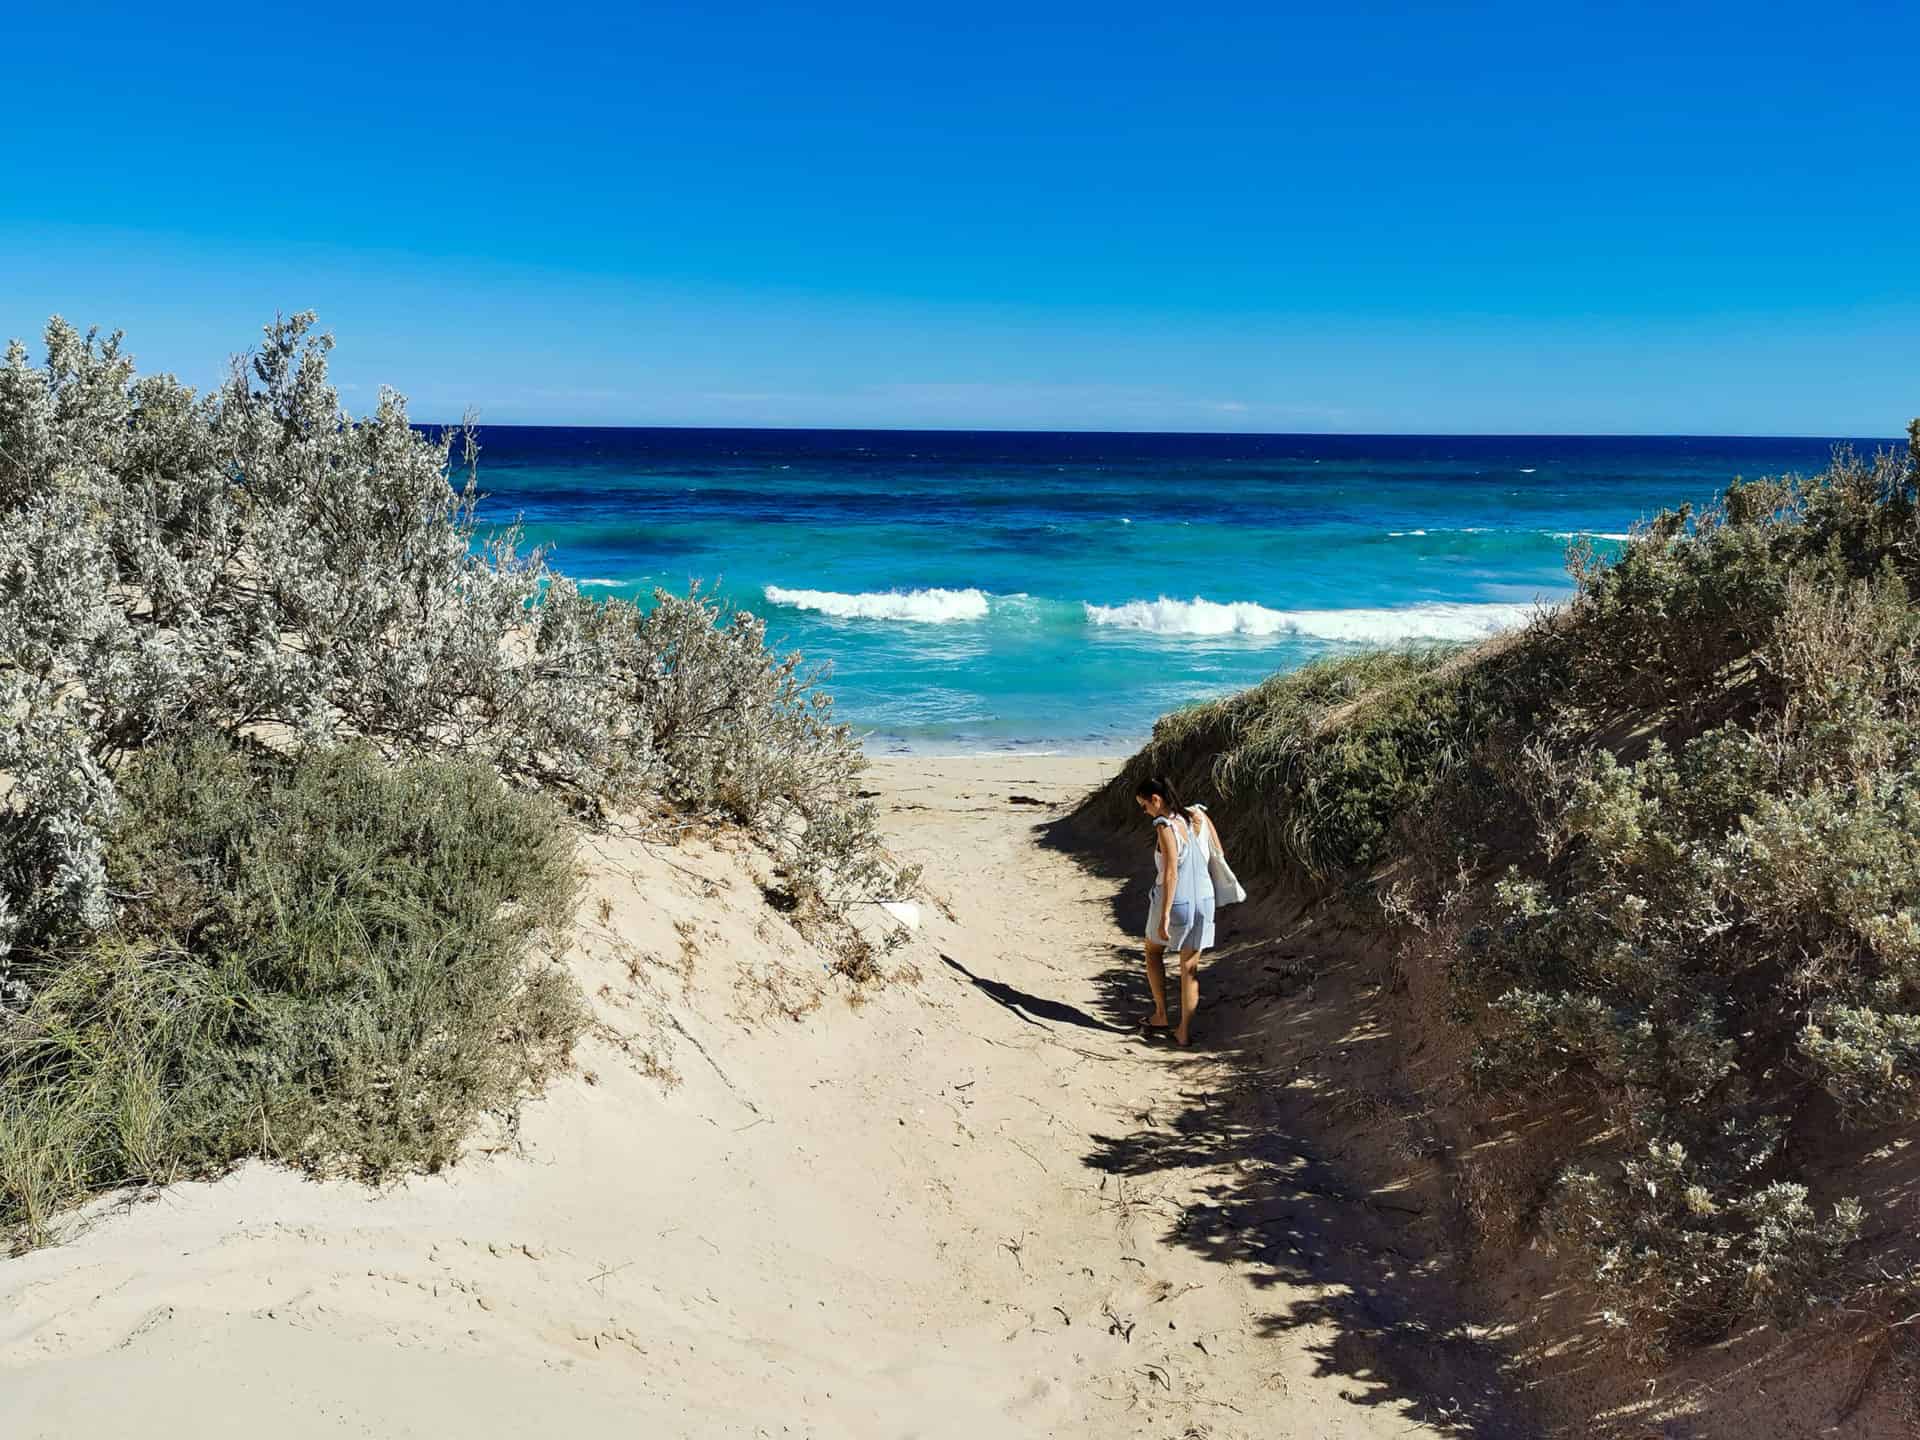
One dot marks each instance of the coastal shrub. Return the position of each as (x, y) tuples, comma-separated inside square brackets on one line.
[(325, 960), (1723, 947), (1678, 625), (1676, 1259), (726, 727), (1686, 808), (255, 561)]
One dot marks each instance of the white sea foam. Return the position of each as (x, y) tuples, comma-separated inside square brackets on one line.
[(924, 607), (1433, 621), (601, 580), (1620, 535)]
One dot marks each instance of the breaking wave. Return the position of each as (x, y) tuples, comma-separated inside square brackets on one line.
[(924, 607), (1433, 621)]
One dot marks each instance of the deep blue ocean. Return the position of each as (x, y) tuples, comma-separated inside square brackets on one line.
[(994, 590)]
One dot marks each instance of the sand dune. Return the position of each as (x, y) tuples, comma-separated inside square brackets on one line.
[(926, 1216)]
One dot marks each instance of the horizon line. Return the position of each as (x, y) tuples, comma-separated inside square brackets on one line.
[(481, 425)]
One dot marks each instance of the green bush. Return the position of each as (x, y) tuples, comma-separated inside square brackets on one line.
[(1723, 946), (1687, 807), (322, 960), (1678, 1261)]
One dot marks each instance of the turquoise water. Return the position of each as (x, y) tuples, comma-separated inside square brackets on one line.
[(991, 591)]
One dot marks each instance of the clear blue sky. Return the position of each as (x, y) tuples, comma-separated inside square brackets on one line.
[(1507, 217)]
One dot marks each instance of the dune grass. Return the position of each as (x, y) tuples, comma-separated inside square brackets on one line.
[(1313, 769), (322, 960)]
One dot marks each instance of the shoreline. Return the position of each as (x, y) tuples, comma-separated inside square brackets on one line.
[(899, 749), (1117, 757)]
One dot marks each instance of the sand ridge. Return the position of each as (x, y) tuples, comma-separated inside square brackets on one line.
[(911, 1218)]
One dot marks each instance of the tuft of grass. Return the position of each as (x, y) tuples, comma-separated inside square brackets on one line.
[(321, 960), (1313, 770)]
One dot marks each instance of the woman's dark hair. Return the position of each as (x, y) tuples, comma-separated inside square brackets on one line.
[(1161, 786)]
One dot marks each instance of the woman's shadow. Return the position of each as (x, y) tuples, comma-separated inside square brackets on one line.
[(1031, 1008)]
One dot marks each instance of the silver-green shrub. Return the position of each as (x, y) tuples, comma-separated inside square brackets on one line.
[(1723, 949), (257, 562)]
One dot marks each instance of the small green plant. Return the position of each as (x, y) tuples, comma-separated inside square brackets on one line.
[(1678, 1259), (322, 960)]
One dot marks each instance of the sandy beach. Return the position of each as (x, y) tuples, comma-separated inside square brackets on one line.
[(944, 1211)]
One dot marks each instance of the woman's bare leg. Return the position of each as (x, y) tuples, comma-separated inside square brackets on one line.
[(1157, 983), (1189, 992)]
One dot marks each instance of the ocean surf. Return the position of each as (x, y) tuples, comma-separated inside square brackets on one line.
[(979, 591)]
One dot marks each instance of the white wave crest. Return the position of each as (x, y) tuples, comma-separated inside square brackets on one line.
[(602, 580), (1620, 535), (924, 607), (1433, 621)]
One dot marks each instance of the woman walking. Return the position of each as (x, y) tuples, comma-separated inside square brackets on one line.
[(1180, 912)]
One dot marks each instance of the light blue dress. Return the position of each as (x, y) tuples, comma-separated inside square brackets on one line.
[(1191, 926)]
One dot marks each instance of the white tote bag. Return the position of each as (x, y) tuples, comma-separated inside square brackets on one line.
[(1227, 889)]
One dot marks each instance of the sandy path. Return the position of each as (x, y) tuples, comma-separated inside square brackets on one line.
[(925, 1216), (1124, 1230)]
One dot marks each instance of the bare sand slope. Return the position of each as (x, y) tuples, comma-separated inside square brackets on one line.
[(930, 1215)]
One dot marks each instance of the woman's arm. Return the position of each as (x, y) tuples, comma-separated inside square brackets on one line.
[(1169, 871)]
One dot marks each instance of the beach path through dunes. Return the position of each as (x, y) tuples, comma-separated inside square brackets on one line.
[(1257, 1290), (975, 1205)]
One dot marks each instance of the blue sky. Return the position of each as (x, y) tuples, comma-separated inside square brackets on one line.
[(1535, 217)]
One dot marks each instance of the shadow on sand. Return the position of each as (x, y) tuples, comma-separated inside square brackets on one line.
[(1287, 1012), (1031, 1008)]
